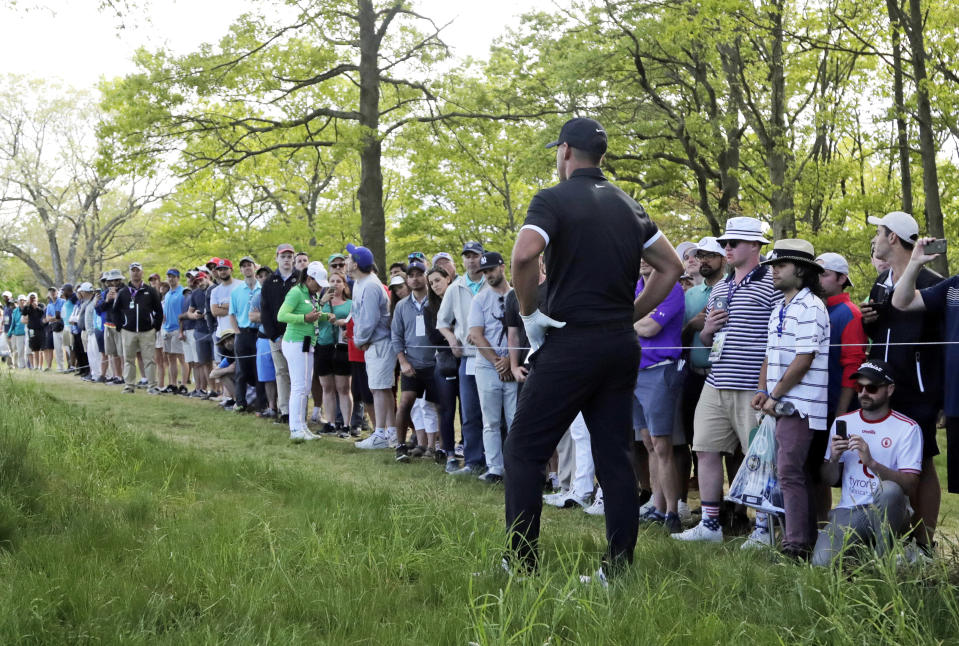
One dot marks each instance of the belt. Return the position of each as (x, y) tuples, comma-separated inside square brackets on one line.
[(664, 362), (597, 326)]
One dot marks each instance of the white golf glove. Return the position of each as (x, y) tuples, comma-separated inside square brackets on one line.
[(536, 325)]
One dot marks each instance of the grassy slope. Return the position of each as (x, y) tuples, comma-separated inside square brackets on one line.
[(131, 519)]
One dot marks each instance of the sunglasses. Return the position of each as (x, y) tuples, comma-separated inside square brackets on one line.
[(872, 389), (732, 244), (337, 265), (416, 255)]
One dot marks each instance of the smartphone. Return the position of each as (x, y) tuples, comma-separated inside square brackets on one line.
[(841, 429), (936, 246), (721, 303)]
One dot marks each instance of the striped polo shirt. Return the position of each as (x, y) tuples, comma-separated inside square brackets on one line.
[(744, 350), (801, 327)]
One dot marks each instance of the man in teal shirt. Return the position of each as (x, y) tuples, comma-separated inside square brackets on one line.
[(171, 335), (246, 330)]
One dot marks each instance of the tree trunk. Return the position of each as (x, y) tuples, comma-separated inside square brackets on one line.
[(777, 153), (899, 102), (370, 192), (927, 142)]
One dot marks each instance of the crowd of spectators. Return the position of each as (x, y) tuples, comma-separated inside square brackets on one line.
[(392, 360)]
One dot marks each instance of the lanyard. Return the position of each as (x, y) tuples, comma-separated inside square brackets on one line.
[(782, 318), (733, 287)]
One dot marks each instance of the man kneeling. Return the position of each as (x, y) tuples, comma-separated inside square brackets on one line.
[(879, 460)]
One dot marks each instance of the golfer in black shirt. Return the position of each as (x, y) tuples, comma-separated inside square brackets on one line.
[(589, 359)]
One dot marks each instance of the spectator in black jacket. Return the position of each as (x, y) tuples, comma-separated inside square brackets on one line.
[(140, 315), (918, 369), (271, 297)]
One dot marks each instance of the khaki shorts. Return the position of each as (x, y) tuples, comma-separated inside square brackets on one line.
[(112, 343), (171, 342), (189, 346), (723, 420), (159, 340), (380, 365)]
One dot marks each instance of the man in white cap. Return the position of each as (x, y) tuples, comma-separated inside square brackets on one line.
[(918, 369), (847, 338), (686, 251), (712, 265), (940, 301), (737, 315), (793, 386)]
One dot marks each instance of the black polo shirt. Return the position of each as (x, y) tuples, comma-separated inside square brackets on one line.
[(588, 223), (271, 298)]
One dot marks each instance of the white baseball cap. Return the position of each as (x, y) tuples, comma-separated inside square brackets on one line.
[(710, 245), (900, 223), (835, 262), (8, 294), (317, 272), (85, 287)]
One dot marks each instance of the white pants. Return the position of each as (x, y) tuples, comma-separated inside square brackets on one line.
[(58, 349), (18, 345), (424, 416), (301, 377), (93, 354), (583, 476)]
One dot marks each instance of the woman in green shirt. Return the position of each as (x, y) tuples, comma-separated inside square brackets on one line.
[(332, 363), (300, 311)]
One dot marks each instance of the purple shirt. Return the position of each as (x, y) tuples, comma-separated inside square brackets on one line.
[(669, 314)]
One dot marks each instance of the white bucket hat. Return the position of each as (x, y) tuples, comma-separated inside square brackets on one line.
[(743, 228)]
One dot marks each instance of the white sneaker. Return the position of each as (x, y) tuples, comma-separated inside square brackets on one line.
[(759, 539), (567, 499), (554, 499), (685, 516), (302, 436), (649, 506), (700, 533), (374, 442), (597, 508), (391, 439), (598, 578)]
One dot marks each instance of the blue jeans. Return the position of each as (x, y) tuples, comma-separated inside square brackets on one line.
[(471, 416), (498, 402)]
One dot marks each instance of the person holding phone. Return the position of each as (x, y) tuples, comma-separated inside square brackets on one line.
[(909, 342), (940, 301), (874, 456), (300, 311)]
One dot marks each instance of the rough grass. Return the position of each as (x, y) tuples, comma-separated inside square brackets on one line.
[(137, 519)]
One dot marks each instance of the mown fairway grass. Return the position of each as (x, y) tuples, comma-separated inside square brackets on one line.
[(129, 519)]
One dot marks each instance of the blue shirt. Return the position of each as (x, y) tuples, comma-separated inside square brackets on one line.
[(67, 312), (172, 308), (943, 299), (240, 299), (255, 305), (54, 307), (474, 286)]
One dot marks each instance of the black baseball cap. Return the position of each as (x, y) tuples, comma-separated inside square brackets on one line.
[(490, 260), (875, 371), (584, 134)]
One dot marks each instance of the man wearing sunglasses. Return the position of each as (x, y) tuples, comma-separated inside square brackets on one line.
[(737, 316), (874, 455)]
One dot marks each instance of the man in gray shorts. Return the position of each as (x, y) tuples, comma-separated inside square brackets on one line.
[(112, 341)]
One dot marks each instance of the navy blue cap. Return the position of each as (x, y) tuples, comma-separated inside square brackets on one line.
[(584, 134), (173, 271), (416, 264), (362, 256), (490, 260), (473, 246)]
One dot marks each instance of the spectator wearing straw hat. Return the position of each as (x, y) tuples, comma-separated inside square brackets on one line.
[(793, 386)]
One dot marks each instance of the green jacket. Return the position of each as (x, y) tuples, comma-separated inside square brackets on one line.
[(297, 304)]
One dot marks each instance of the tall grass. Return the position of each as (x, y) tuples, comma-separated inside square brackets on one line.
[(125, 521)]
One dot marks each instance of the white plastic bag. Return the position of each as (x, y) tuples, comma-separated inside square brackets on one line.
[(756, 484)]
